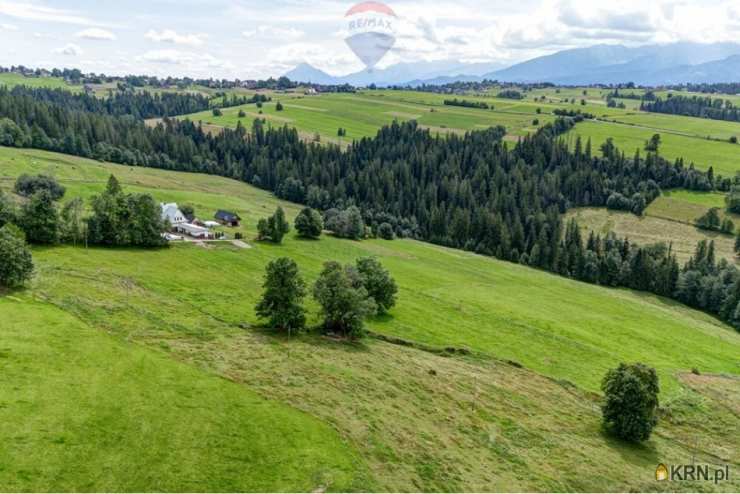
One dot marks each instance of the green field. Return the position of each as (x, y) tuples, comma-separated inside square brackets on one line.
[(687, 206), (474, 423), (362, 114), (670, 218), (82, 410), (11, 79), (722, 156), (701, 141), (653, 228)]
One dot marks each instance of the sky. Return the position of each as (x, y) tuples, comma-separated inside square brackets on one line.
[(256, 39)]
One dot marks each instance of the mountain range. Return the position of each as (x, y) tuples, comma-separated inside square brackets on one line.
[(673, 63)]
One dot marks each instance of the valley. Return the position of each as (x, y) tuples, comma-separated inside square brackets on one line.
[(517, 409)]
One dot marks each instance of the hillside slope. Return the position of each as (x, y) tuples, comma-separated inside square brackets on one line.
[(420, 420)]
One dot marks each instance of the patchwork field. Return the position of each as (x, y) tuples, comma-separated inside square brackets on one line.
[(363, 114), (652, 229), (724, 157), (384, 416), (701, 141), (671, 218)]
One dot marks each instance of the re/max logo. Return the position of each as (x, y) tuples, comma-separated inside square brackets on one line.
[(370, 22), (706, 473)]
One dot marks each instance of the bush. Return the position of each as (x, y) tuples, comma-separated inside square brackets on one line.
[(27, 185), (710, 220), (7, 210), (385, 231), (278, 106), (17, 263), (284, 290), (309, 223), (347, 223), (378, 282), (40, 219), (273, 228), (344, 301), (242, 114), (217, 112), (631, 401)]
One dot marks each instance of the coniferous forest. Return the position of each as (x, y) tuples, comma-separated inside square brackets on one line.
[(472, 191), (694, 106)]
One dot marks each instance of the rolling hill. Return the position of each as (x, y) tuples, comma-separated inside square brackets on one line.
[(495, 387)]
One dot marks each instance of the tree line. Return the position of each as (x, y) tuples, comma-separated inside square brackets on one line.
[(138, 104), (481, 105), (116, 219), (694, 106)]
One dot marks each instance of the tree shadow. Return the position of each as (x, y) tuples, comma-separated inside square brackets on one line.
[(314, 336), (383, 317), (638, 454)]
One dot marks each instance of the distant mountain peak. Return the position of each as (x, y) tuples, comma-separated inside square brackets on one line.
[(654, 64)]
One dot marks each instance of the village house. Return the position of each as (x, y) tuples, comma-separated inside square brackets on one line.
[(227, 218), (179, 223), (171, 212)]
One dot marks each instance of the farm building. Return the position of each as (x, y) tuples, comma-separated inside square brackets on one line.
[(194, 231), (227, 218), (171, 212)]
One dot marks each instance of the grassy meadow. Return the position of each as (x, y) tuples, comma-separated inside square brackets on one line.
[(81, 410), (724, 157), (651, 229), (362, 114), (518, 411), (670, 218), (11, 79)]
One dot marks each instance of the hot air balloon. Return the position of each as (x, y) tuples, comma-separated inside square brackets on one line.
[(371, 31)]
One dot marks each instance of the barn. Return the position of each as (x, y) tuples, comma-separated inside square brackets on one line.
[(227, 218)]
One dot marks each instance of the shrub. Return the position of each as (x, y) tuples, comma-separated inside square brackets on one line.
[(347, 223), (7, 210), (27, 185), (242, 114), (710, 220), (309, 223), (40, 219), (17, 263), (217, 112), (378, 282), (273, 228), (631, 401), (385, 231)]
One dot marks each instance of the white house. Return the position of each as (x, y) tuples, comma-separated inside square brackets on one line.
[(172, 213)]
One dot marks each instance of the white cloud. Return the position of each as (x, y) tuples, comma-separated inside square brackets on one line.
[(266, 31), (195, 61), (95, 33), (33, 12), (8, 27), (70, 49), (170, 36)]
